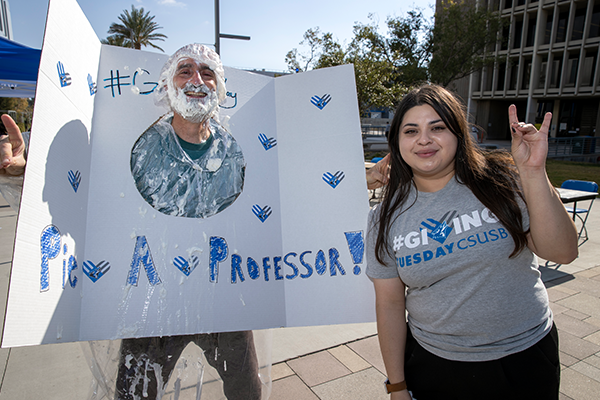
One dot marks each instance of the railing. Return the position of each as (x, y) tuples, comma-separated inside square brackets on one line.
[(571, 146), (374, 130), (374, 137)]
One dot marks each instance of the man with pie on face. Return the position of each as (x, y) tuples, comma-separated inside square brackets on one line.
[(186, 164)]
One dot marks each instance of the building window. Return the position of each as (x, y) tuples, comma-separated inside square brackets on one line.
[(570, 117), (572, 65), (578, 24), (477, 81), (548, 29), (542, 73), (543, 108), (507, 4), (561, 32), (489, 76), (531, 31), (520, 3), (595, 23), (556, 72), (505, 38), (526, 75), (514, 76), (501, 76), (518, 34), (587, 69)]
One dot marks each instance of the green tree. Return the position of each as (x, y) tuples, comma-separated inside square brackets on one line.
[(115, 40), (324, 51), (414, 50), (136, 29), (458, 40), (383, 72), (401, 48), (411, 55), (20, 109), (299, 62), (374, 86)]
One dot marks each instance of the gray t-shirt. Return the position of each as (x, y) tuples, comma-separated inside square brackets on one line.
[(466, 299)]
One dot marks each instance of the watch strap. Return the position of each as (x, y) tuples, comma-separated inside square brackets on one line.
[(395, 387)]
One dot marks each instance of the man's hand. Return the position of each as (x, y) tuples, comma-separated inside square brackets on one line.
[(12, 149), (378, 175)]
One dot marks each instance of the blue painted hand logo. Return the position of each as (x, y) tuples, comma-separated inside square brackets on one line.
[(439, 230), (184, 266), (268, 143), (65, 78), (321, 102), (95, 272), (74, 179), (261, 213), (91, 85), (333, 180)]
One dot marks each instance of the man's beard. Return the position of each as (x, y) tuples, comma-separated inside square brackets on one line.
[(192, 109)]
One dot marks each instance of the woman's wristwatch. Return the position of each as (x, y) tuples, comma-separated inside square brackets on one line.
[(394, 387)]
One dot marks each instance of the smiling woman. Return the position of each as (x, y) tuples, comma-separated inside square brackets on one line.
[(454, 243), (428, 147)]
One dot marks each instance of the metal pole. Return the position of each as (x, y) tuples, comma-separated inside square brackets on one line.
[(219, 35), (217, 29)]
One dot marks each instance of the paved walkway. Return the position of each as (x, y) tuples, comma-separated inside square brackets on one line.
[(329, 362)]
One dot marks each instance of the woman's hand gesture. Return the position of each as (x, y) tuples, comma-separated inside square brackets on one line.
[(529, 146)]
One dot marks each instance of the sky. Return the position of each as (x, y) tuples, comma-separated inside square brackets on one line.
[(275, 27)]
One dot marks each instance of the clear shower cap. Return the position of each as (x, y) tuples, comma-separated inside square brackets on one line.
[(201, 54)]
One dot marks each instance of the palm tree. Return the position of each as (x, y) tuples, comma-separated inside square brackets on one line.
[(137, 30), (116, 40)]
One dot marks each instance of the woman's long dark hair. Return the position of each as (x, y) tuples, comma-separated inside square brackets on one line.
[(491, 175)]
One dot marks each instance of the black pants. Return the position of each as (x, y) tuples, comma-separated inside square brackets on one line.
[(533, 373), (232, 354)]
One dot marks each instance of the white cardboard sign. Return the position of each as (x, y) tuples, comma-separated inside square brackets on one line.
[(94, 261)]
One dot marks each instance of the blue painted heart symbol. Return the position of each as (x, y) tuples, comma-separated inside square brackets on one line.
[(333, 180), (95, 272), (74, 179), (262, 213), (320, 102), (186, 267)]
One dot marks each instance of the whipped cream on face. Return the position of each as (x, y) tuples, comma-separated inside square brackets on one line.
[(163, 95), (193, 108)]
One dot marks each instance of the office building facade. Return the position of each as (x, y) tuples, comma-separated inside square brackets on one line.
[(548, 61)]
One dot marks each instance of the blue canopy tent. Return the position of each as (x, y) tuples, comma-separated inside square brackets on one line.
[(18, 69)]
